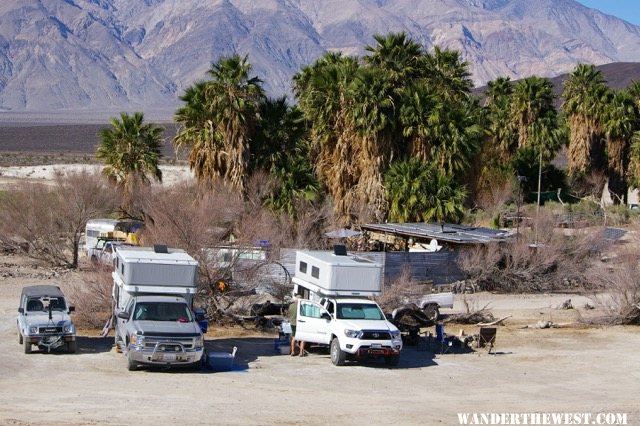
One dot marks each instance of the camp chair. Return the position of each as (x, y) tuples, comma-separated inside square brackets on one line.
[(487, 337)]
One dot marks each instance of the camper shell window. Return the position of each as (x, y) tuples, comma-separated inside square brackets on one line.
[(315, 272), (303, 267)]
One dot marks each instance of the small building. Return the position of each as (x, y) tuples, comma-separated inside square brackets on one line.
[(403, 236)]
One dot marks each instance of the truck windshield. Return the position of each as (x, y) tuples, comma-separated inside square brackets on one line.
[(162, 311), (359, 311), (43, 303)]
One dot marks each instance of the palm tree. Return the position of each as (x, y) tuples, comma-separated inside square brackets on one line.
[(322, 90), (397, 54), (584, 93), (634, 158), (620, 123), (374, 116), (502, 139), (130, 150), (418, 192), (280, 147), (448, 74), (534, 116), (218, 121)]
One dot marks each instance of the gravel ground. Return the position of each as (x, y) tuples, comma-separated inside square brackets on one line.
[(569, 369)]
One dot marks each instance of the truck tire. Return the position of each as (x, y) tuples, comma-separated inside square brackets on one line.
[(338, 356), (27, 346), (431, 311), (131, 364), (392, 360), (72, 347), (19, 337)]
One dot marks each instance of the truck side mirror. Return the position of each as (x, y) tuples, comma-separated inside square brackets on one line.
[(326, 315), (72, 308), (21, 310), (123, 315)]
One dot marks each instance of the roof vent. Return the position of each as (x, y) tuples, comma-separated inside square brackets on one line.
[(160, 248), (339, 250)]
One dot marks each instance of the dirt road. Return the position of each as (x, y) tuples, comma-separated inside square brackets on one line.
[(559, 370)]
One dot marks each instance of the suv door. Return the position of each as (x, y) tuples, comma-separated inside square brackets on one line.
[(311, 327)]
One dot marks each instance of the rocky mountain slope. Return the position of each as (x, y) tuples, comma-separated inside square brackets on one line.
[(111, 55)]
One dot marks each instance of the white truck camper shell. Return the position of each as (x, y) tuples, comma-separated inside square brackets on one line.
[(155, 270), (330, 274)]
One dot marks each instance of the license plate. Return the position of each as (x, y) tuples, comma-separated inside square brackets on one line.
[(169, 357), (49, 330), (376, 345), (376, 351)]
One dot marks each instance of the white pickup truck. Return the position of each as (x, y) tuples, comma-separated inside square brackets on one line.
[(431, 303), (352, 327), (335, 310)]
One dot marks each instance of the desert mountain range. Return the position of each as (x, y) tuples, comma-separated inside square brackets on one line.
[(104, 56)]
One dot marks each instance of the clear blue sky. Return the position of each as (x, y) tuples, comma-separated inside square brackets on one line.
[(629, 10)]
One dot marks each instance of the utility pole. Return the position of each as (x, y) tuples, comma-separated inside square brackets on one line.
[(538, 207), (518, 202)]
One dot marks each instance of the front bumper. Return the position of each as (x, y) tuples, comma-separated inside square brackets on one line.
[(369, 348), (157, 356), (50, 341)]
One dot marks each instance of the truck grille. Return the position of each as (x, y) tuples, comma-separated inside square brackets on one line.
[(50, 329), (375, 335), (168, 344)]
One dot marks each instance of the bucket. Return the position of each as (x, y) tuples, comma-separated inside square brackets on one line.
[(221, 361), (282, 346)]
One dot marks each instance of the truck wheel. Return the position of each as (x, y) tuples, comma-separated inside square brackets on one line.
[(19, 337), (27, 346), (431, 312), (338, 356), (131, 364), (72, 347), (392, 360)]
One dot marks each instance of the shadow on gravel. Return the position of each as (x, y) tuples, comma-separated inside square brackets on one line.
[(94, 344), (252, 348)]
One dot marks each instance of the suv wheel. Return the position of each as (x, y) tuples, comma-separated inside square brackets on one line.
[(27, 346), (131, 364), (338, 356)]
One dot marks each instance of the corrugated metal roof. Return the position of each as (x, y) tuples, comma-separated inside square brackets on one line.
[(459, 234)]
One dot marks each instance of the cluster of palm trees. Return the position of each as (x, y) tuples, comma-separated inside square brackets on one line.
[(396, 134)]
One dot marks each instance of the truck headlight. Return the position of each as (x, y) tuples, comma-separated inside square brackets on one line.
[(395, 334), (199, 342), (33, 330), (137, 340), (69, 328), (354, 334)]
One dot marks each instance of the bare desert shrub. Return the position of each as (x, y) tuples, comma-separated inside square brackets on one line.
[(542, 261), (398, 290), (618, 287), (49, 220), (473, 313), (92, 298)]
